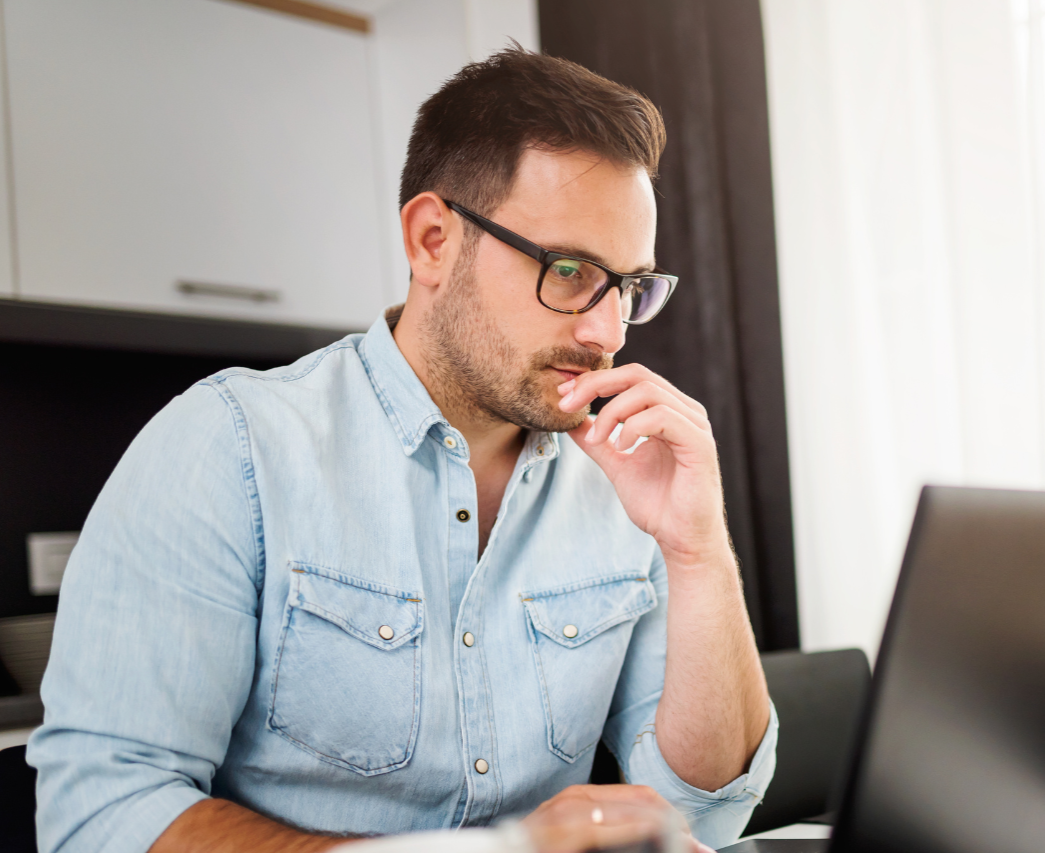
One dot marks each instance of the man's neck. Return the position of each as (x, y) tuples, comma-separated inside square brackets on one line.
[(488, 437), (494, 445)]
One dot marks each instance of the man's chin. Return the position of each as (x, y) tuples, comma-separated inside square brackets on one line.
[(556, 420), (570, 421), (537, 408)]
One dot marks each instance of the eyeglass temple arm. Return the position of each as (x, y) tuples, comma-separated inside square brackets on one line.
[(500, 232)]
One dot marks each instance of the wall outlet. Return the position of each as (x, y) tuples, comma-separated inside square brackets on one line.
[(48, 554)]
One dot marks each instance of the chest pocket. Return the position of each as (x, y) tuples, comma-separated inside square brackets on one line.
[(580, 635), (347, 681)]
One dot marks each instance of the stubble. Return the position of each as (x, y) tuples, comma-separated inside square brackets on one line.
[(476, 371)]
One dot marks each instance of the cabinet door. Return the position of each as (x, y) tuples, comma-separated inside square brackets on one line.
[(158, 142)]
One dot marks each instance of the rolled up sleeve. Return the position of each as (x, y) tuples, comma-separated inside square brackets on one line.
[(154, 644), (716, 818)]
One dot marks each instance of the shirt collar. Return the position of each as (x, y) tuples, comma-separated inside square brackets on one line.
[(406, 401), (403, 396)]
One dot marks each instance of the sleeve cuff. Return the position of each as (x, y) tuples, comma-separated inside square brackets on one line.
[(716, 818), (149, 817)]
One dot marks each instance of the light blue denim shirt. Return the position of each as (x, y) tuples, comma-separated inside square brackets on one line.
[(269, 603)]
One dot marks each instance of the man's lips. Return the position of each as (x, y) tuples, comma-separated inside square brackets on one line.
[(567, 373)]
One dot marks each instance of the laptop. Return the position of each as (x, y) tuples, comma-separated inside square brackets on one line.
[(951, 755)]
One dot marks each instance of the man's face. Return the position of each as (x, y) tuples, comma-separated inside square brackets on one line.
[(500, 352)]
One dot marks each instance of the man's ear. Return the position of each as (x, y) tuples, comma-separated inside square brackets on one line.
[(431, 236)]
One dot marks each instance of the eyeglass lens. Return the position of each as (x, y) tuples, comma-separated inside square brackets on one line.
[(571, 284), (644, 297)]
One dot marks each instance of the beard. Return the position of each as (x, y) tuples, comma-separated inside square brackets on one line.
[(476, 369)]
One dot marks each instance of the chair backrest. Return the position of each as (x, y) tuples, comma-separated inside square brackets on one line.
[(17, 802), (819, 697)]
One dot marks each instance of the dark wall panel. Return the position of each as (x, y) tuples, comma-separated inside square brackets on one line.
[(66, 416), (702, 63), (76, 386)]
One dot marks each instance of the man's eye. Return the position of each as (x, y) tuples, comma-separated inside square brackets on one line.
[(566, 269)]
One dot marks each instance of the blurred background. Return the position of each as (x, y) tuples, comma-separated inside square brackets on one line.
[(853, 195), (908, 144)]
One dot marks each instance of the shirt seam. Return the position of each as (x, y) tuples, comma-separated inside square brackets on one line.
[(247, 476), (233, 373)]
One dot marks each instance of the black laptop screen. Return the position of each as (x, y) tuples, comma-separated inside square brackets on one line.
[(953, 753)]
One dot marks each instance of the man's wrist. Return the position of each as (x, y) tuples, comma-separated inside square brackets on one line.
[(702, 561)]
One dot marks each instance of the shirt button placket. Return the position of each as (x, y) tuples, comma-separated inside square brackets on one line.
[(483, 789), (476, 716)]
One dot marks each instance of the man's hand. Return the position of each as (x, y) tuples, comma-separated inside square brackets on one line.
[(715, 707), (584, 817), (670, 486)]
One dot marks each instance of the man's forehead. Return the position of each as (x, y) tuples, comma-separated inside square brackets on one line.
[(578, 203)]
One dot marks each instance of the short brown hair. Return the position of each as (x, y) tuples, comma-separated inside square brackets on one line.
[(469, 136)]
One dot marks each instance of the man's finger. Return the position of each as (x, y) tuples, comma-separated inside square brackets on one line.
[(604, 454), (579, 392), (645, 395), (670, 426)]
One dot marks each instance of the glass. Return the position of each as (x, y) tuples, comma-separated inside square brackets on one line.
[(609, 827), (578, 827), (572, 285)]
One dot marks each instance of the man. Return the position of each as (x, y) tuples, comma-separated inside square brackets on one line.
[(377, 591)]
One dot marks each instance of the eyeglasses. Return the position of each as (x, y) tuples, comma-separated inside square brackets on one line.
[(573, 285)]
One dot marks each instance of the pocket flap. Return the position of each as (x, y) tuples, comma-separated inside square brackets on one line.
[(385, 618), (573, 614)]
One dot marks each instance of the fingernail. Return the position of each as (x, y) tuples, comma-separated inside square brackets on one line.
[(566, 387), (616, 441), (590, 435), (566, 401), (703, 848)]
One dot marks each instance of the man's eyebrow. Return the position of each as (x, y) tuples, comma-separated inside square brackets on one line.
[(583, 254)]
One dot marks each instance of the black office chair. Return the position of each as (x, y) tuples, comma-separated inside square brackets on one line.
[(17, 802), (819, 698)]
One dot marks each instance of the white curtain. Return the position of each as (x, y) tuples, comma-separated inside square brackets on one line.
[(908, 143)]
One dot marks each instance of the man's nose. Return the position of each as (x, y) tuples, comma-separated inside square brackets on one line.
[(602, 327)]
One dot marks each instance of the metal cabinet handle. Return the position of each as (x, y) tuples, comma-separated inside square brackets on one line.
[(227, 291)]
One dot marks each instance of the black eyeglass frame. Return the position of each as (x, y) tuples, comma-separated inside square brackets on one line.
[(546, 258)]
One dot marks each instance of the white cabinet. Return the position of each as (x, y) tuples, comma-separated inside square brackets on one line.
[(164, 141)]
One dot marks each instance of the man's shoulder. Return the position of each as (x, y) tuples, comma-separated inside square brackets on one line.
[(263, 402), (312, 370)]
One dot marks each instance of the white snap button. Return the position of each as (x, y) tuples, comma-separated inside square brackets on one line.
[(386, 632), (481, 766), (569, 632), (468, 639), (450, 442)]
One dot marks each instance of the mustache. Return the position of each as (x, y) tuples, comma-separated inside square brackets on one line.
[(580, 358)]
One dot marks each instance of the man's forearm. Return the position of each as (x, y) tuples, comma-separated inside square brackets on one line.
[(220, 826), (715, 707)]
